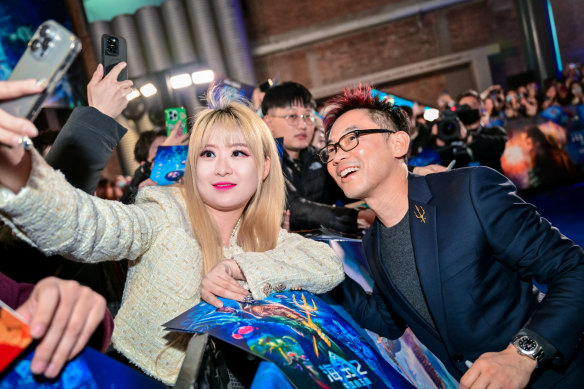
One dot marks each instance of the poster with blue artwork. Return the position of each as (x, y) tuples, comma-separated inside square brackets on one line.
[(90, 369), (169, 164), (308, 340)]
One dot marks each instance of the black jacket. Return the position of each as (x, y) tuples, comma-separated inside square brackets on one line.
[(311, 194)]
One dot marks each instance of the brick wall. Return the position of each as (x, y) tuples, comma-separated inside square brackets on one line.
[(416, 38), (570, 29)]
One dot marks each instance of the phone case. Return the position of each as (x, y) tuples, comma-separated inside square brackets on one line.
[(49, 54), (172, 116), (114, 51)]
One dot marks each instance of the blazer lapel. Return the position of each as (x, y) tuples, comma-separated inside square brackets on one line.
[(424, 240)]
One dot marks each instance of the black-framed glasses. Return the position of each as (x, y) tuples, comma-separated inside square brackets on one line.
[(293, 119), (347, 142)]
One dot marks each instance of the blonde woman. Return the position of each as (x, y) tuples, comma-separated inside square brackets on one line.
[(225, 219)]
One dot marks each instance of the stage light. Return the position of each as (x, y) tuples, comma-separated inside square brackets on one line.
[(180, 81), (148, 90), (431, 114), (133, 94), (203, 77)]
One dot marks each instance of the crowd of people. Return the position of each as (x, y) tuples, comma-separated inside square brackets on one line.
[(453, 253)]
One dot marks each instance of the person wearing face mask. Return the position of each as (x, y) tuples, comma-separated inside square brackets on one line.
[(475, 143)]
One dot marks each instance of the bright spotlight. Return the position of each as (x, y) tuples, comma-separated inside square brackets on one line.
[(431, 114), (203, 76), (148, 90), (180, 81)]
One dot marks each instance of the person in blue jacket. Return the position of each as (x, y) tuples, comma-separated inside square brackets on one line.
[(454, 256)]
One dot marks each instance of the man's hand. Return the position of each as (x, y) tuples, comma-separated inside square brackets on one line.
[(504, 369), (176, 136), (429, 169), (107, 94), (63, 315), (221, 282), (365, 218)]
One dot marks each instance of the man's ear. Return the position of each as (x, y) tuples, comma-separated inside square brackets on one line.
[(267, 166), (268, 120), (400, 143)]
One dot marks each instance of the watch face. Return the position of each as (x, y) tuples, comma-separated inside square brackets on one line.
[(527, 344)]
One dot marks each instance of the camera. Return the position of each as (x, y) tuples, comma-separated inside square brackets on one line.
[(111, 47), (43, 42), (449, 125)]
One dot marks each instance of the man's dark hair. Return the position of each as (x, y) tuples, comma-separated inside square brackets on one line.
[(45, 139), (469, 93), (382, 112), (287, 94), (144, 141)]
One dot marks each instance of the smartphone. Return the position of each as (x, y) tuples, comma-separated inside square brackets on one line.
[(114, 51), (174, 115), (49, 54)]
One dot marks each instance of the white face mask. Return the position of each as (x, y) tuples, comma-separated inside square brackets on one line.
[(576, 90)]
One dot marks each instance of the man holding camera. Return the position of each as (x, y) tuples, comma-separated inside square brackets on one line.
[(462, 136)]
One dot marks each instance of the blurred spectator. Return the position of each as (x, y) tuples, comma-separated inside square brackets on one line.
[(318, 138), (512, 106), (550, 96), (106, 189), (144, 153), (529, 102), (549, 161), (576, 91)]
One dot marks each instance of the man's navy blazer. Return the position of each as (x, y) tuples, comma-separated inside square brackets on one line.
[(478, 246)]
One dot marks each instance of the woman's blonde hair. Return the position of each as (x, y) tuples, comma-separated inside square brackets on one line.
[(260, 222)]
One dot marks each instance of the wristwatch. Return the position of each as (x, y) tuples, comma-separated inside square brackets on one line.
[(529, 347)]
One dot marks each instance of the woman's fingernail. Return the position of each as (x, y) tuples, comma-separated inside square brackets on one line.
[(42, 83)]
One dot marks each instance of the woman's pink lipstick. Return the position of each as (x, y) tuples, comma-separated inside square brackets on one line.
[(224, 185)]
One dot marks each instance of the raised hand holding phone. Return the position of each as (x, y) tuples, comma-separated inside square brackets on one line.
[(49, 53), (107, 94), (177, 135), (174, 116)]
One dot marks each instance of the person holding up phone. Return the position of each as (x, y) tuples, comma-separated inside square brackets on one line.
[(225, 218)]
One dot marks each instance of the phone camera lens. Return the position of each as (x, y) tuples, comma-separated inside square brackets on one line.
[(46, 32), (35, 45), (46, 43)]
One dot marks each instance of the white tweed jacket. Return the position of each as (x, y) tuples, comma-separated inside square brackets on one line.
[(165, 260)]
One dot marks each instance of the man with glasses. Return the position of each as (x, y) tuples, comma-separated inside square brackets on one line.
[(288, 110), (453, 256)]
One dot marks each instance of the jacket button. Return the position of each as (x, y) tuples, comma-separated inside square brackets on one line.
[(458, 357)]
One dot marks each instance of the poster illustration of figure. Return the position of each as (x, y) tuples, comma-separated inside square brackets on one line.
[(307, 339)]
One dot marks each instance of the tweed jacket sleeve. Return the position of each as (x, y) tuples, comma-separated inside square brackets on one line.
[(57, 218), (296, 263)]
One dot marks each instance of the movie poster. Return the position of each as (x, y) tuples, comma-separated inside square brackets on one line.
[(312, 345), (546, 150), (169, 164)]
